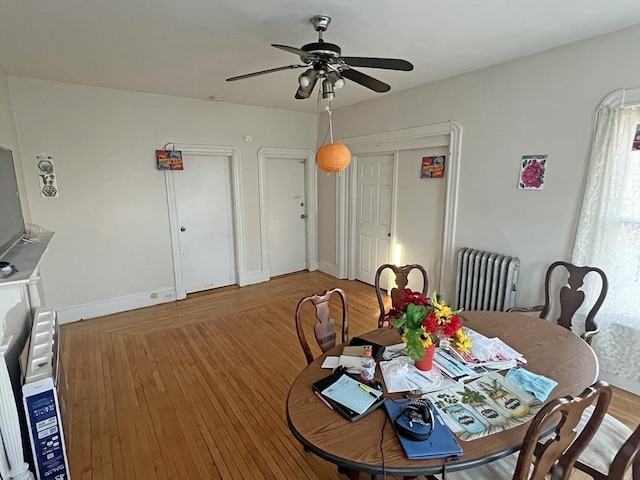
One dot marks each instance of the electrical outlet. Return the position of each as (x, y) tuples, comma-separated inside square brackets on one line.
[(168, 296), (154, 296)]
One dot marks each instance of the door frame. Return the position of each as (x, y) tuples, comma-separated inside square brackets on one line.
[(308, 157), (434, 135), (233, 154)]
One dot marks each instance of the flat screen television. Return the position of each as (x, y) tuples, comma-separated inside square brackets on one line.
[(12, 227)]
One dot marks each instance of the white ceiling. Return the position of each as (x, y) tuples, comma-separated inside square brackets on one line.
[(188, 48)]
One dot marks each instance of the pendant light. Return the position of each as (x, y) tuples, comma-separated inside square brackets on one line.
[(333, 157)]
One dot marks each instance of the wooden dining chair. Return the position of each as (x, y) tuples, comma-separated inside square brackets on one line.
[(325, 329), (570, 297), (612, 451), (557, 453), (401, 280)]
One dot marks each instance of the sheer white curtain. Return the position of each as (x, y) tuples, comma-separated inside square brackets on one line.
[(608, 236)]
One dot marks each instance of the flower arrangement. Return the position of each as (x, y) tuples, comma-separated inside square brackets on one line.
[(426, 321)]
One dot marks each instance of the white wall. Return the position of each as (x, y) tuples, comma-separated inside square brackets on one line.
[(541, 104), (112, 242)]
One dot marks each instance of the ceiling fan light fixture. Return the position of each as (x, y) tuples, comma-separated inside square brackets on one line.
[(327, 89), (336, 80), (307, 78)]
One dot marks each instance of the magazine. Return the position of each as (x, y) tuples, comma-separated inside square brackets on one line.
[(488, 352), (484, 406)]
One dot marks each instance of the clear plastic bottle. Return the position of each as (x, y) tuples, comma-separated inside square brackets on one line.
[(368, 365)]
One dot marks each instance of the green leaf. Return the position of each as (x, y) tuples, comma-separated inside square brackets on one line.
[(415, 350), (521, 185), (524, 163), (415, 315), (399, 322)]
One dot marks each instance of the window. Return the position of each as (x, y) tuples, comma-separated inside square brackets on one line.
[(608, 234)]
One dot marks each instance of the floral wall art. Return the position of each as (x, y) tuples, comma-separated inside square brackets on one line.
[(47, 174), (532, 170)]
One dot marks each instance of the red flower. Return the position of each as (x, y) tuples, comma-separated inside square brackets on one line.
[(431, 322), (456, 323), (399, 307), (410, 296)]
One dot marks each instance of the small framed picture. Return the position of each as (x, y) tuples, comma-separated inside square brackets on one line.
[(169, 159), (532, 170), (432, 167)]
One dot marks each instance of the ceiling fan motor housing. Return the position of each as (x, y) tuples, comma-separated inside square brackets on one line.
[(329, 51)]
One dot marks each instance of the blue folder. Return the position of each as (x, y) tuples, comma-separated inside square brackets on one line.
[(442, 443)]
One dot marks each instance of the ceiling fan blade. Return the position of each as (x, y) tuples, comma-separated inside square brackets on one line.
[(293, 50), (365, 80), (262, 72), (372, 62)]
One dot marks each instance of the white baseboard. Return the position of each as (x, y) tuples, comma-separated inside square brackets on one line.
[(329, 268), (249, 278), (312, 264), (620, 382), (114, 305)]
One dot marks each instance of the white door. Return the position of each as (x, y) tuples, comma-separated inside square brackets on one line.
[(204, 210), (286, 215), (373, 214)]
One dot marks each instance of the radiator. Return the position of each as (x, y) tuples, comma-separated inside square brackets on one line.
[(486, 280)]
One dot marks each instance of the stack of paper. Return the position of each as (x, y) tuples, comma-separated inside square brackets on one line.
[(488, 352)]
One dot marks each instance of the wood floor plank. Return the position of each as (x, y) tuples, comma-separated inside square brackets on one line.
[(196, 389)]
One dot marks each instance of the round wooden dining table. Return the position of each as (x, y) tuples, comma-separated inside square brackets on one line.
[(370, 444)]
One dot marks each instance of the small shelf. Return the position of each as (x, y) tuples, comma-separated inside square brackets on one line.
[(26, 258)]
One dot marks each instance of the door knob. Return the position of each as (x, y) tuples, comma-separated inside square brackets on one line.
[(183, 229)]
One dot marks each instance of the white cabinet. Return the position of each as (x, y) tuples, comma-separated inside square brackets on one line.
[(20, 295)]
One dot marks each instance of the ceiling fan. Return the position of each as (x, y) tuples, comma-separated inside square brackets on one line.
[(325, 60)]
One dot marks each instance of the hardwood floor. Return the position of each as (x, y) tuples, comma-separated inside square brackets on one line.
[(196, 389)]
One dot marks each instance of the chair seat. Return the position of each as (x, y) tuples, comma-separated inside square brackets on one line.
[(602, 448)]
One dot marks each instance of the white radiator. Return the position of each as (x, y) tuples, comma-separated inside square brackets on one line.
[(486, 280)]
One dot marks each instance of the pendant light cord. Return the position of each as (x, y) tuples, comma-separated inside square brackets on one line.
[(328, 108)]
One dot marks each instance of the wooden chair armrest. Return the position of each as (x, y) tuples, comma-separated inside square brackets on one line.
[(537, 308)]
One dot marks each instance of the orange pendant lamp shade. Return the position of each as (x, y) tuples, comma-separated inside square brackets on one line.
[(333, 157)]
